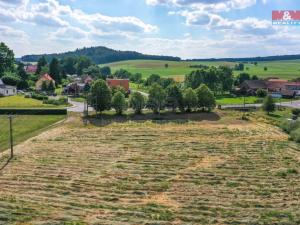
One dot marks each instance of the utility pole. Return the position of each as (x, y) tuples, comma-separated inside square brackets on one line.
[(11, 137)]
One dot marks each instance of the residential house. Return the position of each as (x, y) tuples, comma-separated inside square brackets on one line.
[(124, 83), (30, 68), (44, 78), (250, 87), (7, 90), (74, 88)]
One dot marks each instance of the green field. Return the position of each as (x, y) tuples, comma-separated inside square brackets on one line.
[(24, 127), (288, 69), (19, 101)]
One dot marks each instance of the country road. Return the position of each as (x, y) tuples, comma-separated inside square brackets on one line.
[(77, 106), (292, 104)]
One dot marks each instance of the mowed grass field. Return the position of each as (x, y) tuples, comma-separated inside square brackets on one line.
[(19, 101), (289, 69), (24, 127), (211, 172)]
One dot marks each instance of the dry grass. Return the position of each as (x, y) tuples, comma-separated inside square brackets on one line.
[(147, 173)]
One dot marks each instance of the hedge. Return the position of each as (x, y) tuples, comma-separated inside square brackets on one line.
[(33, 111)]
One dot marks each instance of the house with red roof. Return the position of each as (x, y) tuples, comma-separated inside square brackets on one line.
[(44, 78), (30, 68), (276, 85), (124, 83)]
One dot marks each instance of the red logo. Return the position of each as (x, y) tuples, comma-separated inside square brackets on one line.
[(286, 15)]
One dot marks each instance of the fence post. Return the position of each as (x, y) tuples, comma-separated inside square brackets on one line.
[(11, 138)]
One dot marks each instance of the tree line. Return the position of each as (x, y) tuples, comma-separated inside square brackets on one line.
[(102, 98)]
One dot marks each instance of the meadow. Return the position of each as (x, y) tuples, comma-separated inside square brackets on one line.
[(289, 69), (222, 170), (24, 127), (19, 101)]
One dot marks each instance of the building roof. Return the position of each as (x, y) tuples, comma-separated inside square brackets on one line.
[(46, 76), (118, 82), (292, 84), (255, 84), (1, 82), (275, 83), (4, 86), (31, 68)]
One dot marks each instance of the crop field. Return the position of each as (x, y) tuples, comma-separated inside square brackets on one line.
[(224, 171), (289, 69)]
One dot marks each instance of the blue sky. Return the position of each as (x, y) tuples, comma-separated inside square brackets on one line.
[(184, 28)]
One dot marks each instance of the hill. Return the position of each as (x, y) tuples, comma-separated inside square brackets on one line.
[(100, 55)]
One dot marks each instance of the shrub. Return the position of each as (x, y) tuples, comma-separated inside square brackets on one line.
[(290, 125), (295, 134), (296, 112), (269, 104), (33, 111), (261, 93), (60, 101), (39, 96)]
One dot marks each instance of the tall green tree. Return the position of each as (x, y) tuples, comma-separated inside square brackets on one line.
[(44, 86), (100, 96), (118, 102), (54, 70), (51, 87), (82, 63), (105, 72), (42, 62), (68, 65), (7, 58), (174, 97), (269, 104), (206, 99), (21, 71), (137, 102), (190, 99), (157, 97)]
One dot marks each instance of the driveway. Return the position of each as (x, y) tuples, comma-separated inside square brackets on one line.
[(77, 106)]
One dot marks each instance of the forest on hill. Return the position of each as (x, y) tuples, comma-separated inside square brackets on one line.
[(100, 55)]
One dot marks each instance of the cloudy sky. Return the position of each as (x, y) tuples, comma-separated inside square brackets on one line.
[(184, 28)]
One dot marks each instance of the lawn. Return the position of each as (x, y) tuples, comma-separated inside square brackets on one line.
[(238, 100), (24, 127), (19, 101), (288, 69), (218, 171)]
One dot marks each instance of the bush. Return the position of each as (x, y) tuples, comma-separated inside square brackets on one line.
[(295, 135), (290, 125), (39, 96), (33, 111), (60, 101), (296, 112), (261, 93), (269, 104)]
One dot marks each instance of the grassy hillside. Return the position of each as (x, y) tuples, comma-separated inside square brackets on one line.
[(225, 171), (283, 69)]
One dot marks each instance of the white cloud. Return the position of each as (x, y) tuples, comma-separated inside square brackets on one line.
[(8, 32), (215, 5)]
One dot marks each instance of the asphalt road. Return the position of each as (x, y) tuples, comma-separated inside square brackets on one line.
[(77, 106)]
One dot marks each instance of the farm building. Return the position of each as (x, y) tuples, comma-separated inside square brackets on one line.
[(44, 78), (251, 86), (276, 85), (124, 83), (7, 90)]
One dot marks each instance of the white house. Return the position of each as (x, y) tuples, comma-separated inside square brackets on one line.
[(6, 90)]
